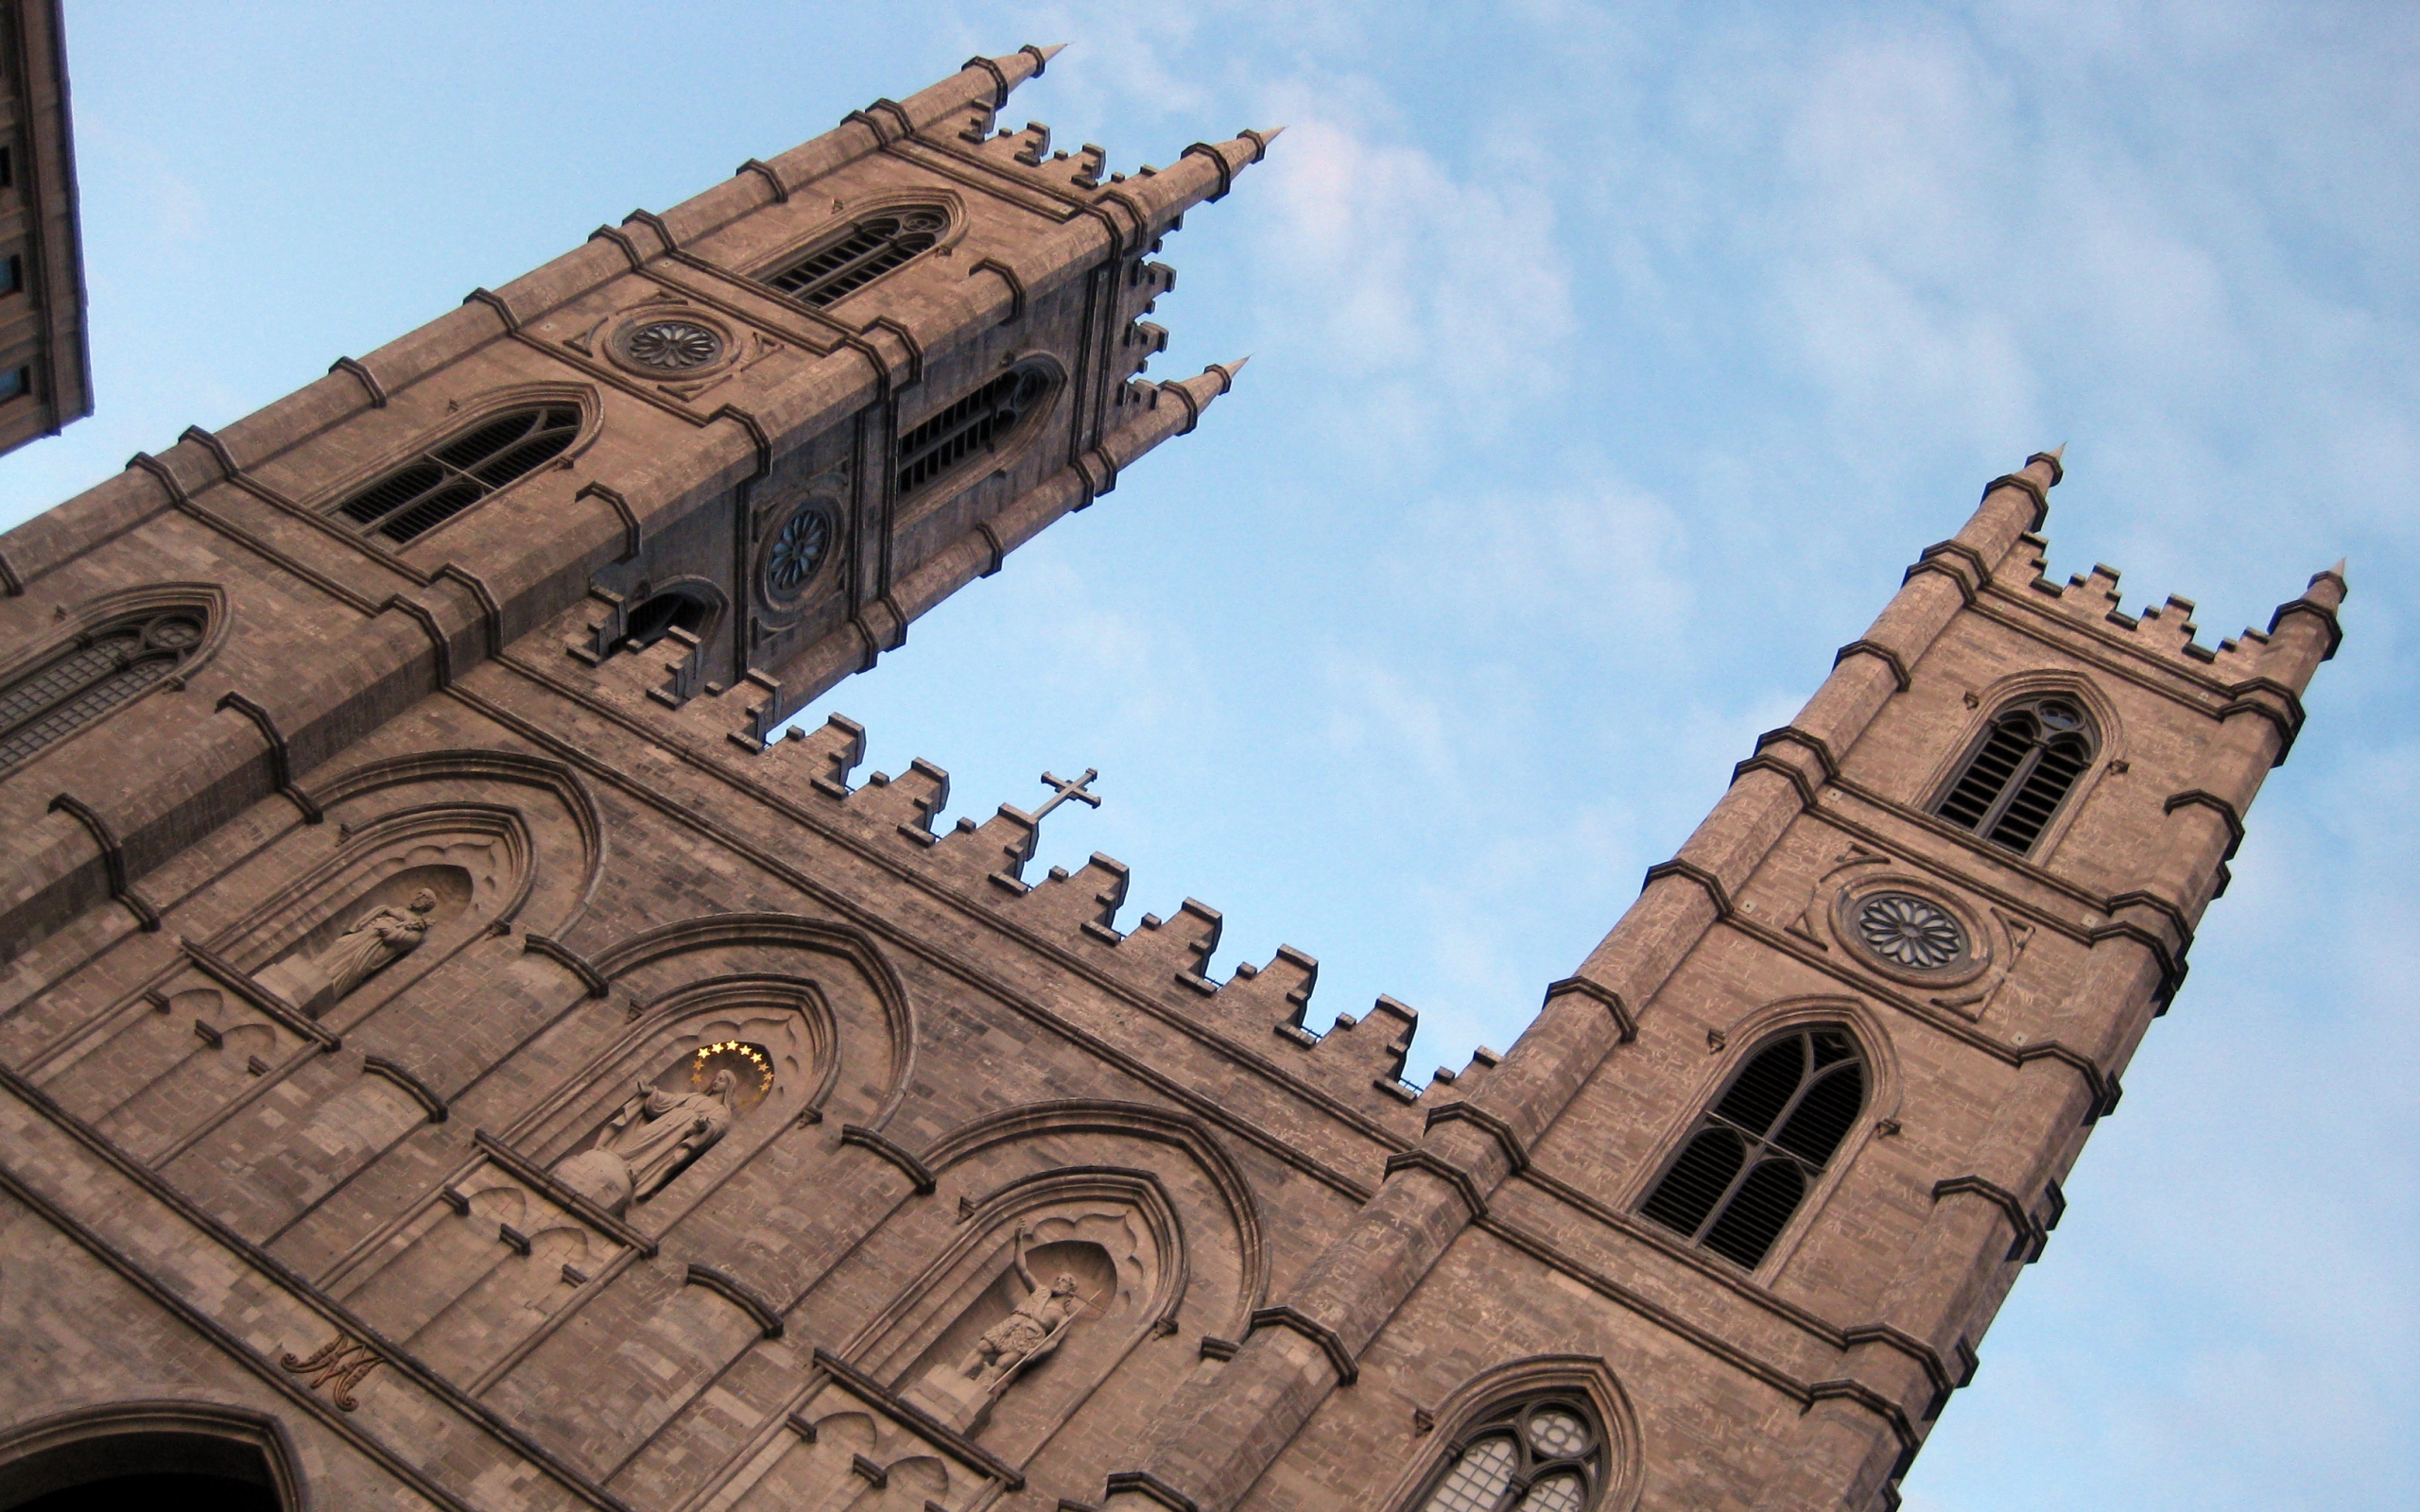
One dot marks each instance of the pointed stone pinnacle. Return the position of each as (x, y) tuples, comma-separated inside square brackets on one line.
[(1227, 370), (1052, 51), (1260, 140), (2059, 451)]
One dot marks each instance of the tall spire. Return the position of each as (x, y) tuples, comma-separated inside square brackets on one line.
[(1153, 199)]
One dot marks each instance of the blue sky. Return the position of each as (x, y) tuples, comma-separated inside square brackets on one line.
[(1610, 364)]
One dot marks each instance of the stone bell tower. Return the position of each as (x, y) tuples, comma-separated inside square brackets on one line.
[(454, 1054), (1775, 1153)]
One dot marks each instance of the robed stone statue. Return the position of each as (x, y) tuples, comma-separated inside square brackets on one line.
[(646, 1143), (377, 939)]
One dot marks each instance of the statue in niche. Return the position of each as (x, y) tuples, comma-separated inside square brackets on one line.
[(377, 939), (644, 1145), (1029, 1333), (961, 1393)]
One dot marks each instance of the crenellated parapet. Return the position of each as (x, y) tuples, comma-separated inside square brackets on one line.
[(1261, 1010), (2165, 630)]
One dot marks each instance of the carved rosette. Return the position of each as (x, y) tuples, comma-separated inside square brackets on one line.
[(670, 345), (1910, 932)]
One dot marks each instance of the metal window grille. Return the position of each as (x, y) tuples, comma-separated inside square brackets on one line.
[(101, 670), (976, 423), (444, 481), (2017, 778), (869, 249), (1538, 1454), (1747, 1165)]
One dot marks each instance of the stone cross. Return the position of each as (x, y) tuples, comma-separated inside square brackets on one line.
[(1066, 791)]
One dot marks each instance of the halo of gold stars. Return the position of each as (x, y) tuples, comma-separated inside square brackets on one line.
[(749, 1052)]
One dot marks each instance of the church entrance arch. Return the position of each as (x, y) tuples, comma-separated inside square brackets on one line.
[(137, 1456)]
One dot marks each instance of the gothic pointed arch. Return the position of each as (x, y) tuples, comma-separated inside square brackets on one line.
[(1545, 1433), (502, 440), (1051, 1280), (979, 431), (772, 938), (690, 1092), (1140, 1120), (876, 240), (107, 654), (774, 1035), (1807, 1132), (2029, 760), (154, 1450)]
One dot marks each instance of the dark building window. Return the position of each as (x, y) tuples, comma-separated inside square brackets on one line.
[(2017, 778), (16, 383), (12, 274), (660, 614), (978, 424), (869, 248), (1747, 1165), (142, 1469), (102, 670), (7, 170), (444, 481), (1540, 1455)]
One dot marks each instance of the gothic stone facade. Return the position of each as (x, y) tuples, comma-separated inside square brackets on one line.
[(45, 372), (457, 1053)]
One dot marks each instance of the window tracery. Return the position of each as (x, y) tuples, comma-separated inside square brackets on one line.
[(864, 253), (1539, 1455), (1749, 1163), (976, 423), (444, 481), (101, 670), (2028, 763)]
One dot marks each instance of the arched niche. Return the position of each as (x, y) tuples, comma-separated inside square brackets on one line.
[(497, 841), (144, 1454), (950, 1343), (474, 1274), (775, 1038), (472, 861), (865, 1003)]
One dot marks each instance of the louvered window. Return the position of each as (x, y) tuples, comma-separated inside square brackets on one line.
[(1541, 1454), (101, 670), (2025, 768), (979, 423), (444, 481), (1747, 1165), (872, 248)]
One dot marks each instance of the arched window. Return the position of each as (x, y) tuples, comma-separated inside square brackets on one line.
[(445, 480), (1539, 1455), (979, 423), (1744, 1169), (869, 249), (99, 672), (153, 1464), (654, 617), (2029, 761)]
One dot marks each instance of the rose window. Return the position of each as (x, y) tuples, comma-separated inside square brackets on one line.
[(1907, 930), (672, 346), (798, 550)]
